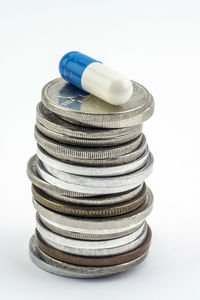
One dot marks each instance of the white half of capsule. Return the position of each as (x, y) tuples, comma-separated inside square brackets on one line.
[(106, 84)]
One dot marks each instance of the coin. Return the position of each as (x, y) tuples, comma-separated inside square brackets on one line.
[(65, 139), (53, 163), (42, 184), (97, 200), (92, 248), (54, 266), (52, 122), (95, 225), (88, 234), (97, 185), (88, 211), (94, 261), (75, 105), (65, 152), (112, 161), (53, 168)]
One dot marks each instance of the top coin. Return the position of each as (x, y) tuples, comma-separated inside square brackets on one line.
[(78, 107)]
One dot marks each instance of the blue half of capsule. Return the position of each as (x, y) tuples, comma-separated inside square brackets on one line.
[(72, 66)]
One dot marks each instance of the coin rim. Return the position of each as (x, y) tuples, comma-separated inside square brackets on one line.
[(134, 217), (87, 133), (94, 261), (87, 211), (83, 142), (108, 120), (56, 267), (65, 151), (41, 183), (85, 234), (101, 171), (99, 185), (93, 248), (72, 197)]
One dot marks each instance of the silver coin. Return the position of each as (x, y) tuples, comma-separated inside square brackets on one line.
[(112, 161), (93, 248), (50, 163), (65, 152), (86, 180), (97, 225), (85, 234), (65, 139), (104, 200), (52, 122), (77, 198), (42, 184), (74, 104), (97, 185), (56, 267)]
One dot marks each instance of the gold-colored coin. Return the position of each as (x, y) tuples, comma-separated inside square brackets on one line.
[(89, 211)]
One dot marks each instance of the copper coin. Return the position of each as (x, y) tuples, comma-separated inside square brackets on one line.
[(94, 261), (91, 211)]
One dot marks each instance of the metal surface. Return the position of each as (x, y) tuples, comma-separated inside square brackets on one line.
[(93, 248), (65, 139), (94, 261), (104, 200), (42, 184), (52, 122), (56, 267), (66, 152), (89, 234), (97, 185), (112, 161), (53, 163), (96, 225), (89, 211), (69, 102)]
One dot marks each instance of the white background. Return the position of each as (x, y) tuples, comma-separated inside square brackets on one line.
[(156, 43)]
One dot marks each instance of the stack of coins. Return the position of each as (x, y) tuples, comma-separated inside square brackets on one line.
[(88, 182)]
